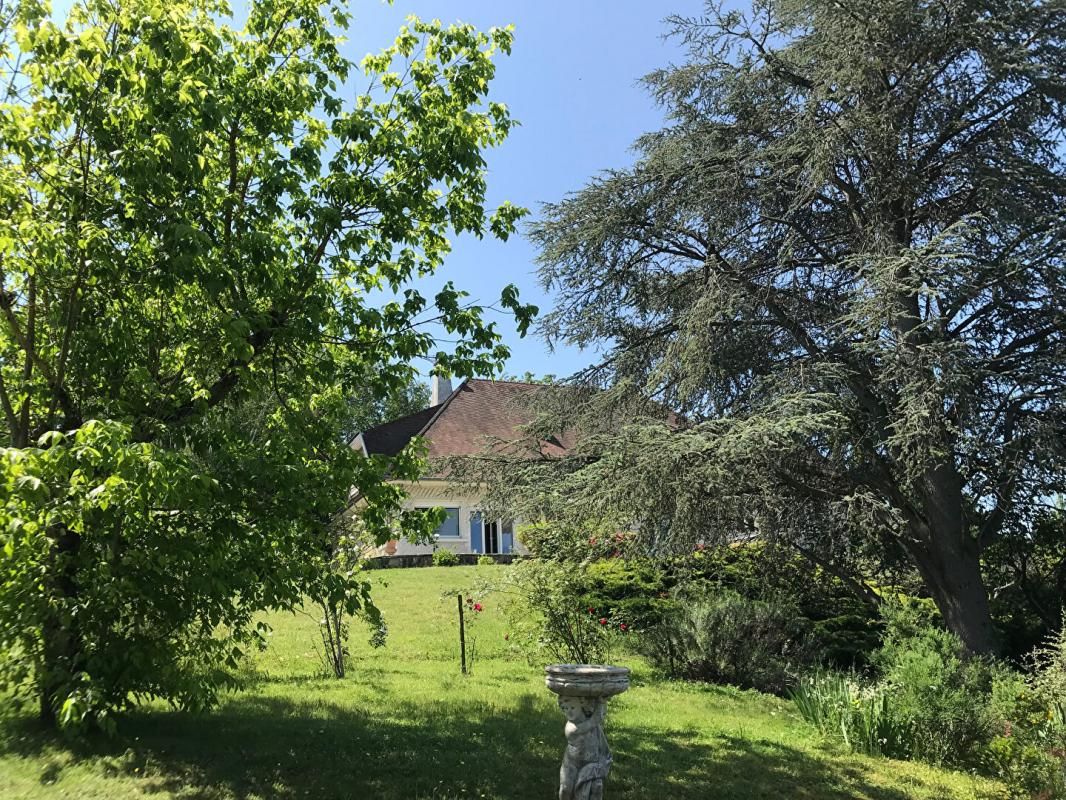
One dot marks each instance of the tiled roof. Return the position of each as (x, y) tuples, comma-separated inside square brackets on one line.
[(391, 437), (475, 415)]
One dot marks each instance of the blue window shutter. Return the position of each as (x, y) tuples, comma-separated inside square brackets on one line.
[(476, 537), (507, 543)]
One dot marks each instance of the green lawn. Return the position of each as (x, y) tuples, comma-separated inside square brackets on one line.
[(405, 724)]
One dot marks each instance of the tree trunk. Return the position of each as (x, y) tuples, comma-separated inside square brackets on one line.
[(949, 560), (60, 640), (952, 573)]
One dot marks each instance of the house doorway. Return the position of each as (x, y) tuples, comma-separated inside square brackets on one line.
[(492, 538)]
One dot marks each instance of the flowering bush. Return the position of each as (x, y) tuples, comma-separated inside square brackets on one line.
[(584, 544), (549, 617)]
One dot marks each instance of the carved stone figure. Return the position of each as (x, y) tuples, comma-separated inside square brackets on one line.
[(583, 690)]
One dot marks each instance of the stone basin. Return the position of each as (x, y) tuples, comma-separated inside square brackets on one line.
[(586, 680)]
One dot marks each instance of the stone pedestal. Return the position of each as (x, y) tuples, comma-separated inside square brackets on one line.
[(583, 690)]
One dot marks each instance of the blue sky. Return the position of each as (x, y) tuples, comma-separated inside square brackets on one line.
[(572, 82)]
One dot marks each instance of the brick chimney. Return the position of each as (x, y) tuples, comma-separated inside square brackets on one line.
[(439, 389)]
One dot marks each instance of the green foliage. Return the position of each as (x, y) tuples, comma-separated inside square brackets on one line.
[(943, 693), (198, 218), (549, 616), (486, 561), (863, 717), (843, 628), (443, 557), (1026, 767), (1029, 754), (829, 289), (935, 703), (633, 591), (722, 637), (1029, 567), (1048, 669), (575, 542), (345, 558)]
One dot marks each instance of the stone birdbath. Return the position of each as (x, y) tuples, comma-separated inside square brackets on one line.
[(583, 690)]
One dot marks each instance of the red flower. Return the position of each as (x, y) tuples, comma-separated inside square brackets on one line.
[(603, 620), (592, 611), (623, 627), (477, 607)]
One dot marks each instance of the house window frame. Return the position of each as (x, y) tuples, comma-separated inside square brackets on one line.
[(458, 535)]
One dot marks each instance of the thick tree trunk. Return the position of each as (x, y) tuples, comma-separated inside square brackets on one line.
[(60, 641), (952, 573), (949, 560)]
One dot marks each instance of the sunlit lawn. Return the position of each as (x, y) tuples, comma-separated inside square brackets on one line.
[(406, 724)]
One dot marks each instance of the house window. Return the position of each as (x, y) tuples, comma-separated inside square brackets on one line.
[(449, 529)]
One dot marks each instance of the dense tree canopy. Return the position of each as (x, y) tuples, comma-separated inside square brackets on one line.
[(195, 219), (841, 262)]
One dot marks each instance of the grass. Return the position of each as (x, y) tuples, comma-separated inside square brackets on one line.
[(405, 724)]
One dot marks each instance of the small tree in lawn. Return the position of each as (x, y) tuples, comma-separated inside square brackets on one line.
[(347, 548), (192, 219)]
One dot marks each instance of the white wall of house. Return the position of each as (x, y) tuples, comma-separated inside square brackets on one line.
[(438, 494)]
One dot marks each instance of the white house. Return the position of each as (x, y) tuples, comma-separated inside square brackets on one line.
[(458, 422)]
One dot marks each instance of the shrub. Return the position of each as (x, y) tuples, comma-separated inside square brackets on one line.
[(445, 558), (725, 638), (843, 628), (1029, 771), (628, 590), (1048, 665), (932, 702), (587, 542), (944, 694), (1030, 567), (350, 541), (548, 617), (1029, 754), (486, 561)]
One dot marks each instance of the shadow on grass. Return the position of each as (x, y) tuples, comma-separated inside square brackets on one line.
[(264, 747)]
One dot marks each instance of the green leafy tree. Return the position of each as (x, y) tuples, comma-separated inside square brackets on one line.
[(369, 409), (842, 262), (198, 218)]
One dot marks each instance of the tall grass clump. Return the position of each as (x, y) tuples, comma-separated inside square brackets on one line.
[(931, 701), (861, 715)]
